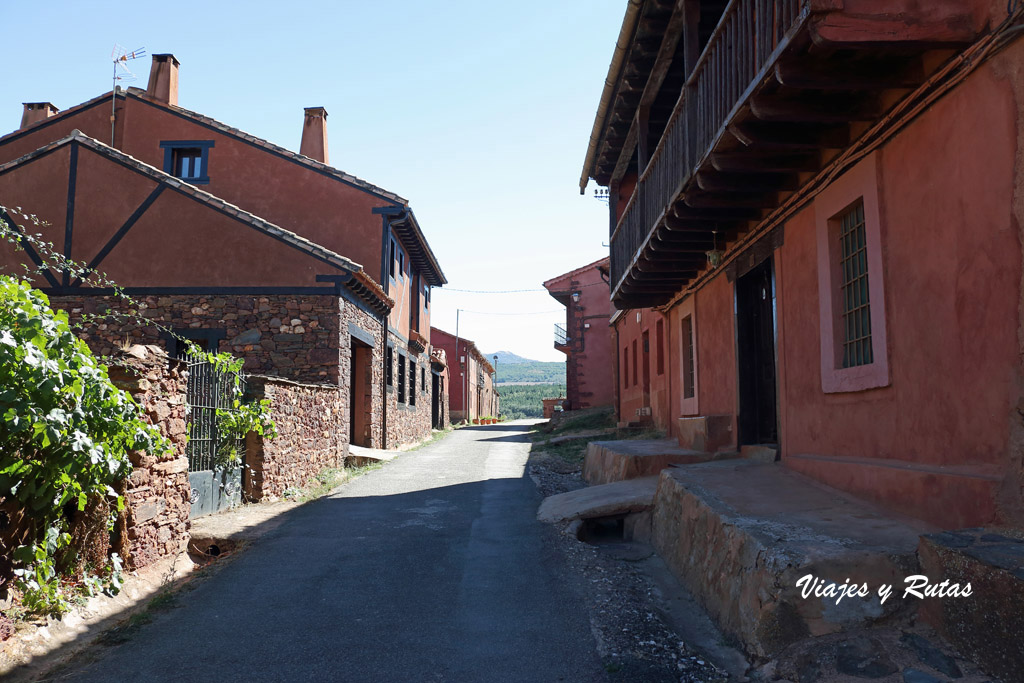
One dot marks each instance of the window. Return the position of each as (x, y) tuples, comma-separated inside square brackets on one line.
[(205, 339), (689, 366), (389, 371), (188, 160), (394, 257), (625, 367), (426, 297), (401, 379), (851, 289), (423, 380), (660, 339), (412, 382)]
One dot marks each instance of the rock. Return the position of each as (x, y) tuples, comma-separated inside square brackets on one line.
[(918, 676), (247, 337), (930, 655), (864, 658)]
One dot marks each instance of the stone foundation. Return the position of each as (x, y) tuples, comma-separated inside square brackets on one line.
[(312, 434), (993, 564), (296, 337), (709, 433), (608, 461), (157, 492), (740, 534)]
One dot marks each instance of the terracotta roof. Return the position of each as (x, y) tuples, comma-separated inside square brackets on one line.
[(218, 204)]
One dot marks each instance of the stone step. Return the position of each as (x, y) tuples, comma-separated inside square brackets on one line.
[(740, 534), (608, 500), (608, 461), (993, 564)]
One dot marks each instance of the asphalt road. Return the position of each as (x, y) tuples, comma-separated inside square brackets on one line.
[(430, 569)]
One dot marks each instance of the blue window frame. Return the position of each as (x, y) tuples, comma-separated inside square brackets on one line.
[(188, 160)]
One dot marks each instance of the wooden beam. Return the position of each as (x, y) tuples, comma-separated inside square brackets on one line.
[(751, 162), (687, 213), (790, 137), (822, 75), (716, 181), (814, 109), (753, 200)]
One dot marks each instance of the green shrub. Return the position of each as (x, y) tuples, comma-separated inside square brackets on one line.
[(65, 435)]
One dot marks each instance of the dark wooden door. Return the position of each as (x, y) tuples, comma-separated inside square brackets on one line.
[(435, 401), (647, 369), (755, 341)]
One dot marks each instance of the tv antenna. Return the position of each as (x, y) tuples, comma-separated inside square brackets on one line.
[(120, 57)]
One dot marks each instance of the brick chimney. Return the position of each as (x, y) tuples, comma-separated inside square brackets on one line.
[(163, 79), (37, 111), (314, 134)]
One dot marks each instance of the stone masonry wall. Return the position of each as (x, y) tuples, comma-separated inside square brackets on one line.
[(157, 492), (408, 424), (291, 336), (312, 427)]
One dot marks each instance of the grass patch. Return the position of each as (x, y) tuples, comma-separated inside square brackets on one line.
[(602, 419), (435, 436), (123, 632), (326, 481), (571, 451)]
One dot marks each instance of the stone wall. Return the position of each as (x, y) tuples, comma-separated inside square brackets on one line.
[(312, 434), (156, 523), (408, 422), (291, 336)]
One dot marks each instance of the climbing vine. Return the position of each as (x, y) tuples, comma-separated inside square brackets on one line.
[(66, 430)]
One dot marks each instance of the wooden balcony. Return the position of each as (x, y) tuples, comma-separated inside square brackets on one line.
[(779, 87)]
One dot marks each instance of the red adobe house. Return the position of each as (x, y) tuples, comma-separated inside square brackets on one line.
[(472, 393), (234, 241), (585, 338), (816, 240)]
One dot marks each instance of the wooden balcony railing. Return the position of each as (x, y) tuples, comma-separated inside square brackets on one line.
[(744, 44)]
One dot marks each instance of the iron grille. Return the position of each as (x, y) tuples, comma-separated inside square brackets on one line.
[(854, 288), (561, 336), (210, 389), (689, 369)]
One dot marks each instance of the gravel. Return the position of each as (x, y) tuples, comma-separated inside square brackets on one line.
[(634, 640)]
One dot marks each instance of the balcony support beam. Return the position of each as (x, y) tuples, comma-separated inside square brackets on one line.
[(814, 108), (750, 162), (786, 137), (818, 75)]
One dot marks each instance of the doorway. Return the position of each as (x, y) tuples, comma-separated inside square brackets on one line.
[(360, 394), (755, 344), (436, 412)]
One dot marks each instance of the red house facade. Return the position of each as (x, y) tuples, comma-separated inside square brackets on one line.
[(815, 240), (307, 272), (472, 393), (585, 338)]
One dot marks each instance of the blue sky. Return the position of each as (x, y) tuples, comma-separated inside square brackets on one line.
[(477, 112)]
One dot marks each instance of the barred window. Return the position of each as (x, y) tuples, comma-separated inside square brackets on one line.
[(401, 379), (412, 382), (853, 288), (389, 370), (689, 367)]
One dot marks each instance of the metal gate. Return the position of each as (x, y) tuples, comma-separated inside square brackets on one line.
[(215, 460)]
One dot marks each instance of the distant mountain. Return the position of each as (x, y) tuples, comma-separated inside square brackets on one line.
[(507, 357)]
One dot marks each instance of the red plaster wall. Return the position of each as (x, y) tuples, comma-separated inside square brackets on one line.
[(178, 241), (631, 397), (948, 237), (295, 197)]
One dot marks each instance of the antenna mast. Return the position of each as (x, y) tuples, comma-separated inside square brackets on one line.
[(120, 57)]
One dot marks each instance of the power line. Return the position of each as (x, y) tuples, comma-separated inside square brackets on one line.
[(492, 312), (511, 291)]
